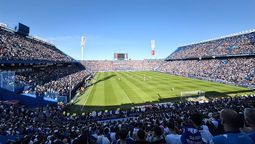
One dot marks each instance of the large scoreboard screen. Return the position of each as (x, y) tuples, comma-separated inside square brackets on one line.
[(120, 56), (23, 29)]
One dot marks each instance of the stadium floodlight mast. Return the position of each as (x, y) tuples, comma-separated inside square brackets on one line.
[(83, 42), (153, 45)]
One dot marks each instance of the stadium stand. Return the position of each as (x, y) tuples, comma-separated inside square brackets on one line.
[(14, 47), (228, 60), (127, 65), (236, 71), (238, 45), (31, 66), (156, 123)]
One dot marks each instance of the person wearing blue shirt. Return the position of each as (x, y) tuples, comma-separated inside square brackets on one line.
[(194, 133), (249, 116), (231, 122)]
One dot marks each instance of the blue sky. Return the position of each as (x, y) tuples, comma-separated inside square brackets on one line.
[(128, 25)]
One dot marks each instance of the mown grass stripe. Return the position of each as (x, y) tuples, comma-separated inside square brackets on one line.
[(137, 96), (98, 92), (122, 95), (150, 93), (131, 88)]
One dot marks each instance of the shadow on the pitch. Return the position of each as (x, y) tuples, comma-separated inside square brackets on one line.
[(103, 79), (209, 94), (77, 100), (222, 94)]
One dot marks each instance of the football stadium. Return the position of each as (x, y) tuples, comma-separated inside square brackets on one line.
[(120, 81)]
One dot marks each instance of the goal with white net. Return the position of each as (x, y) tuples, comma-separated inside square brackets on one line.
[(187, 94)]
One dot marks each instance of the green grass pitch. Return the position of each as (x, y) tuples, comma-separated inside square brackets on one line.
[(118, 88)]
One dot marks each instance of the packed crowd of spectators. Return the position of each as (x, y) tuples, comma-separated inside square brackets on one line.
[(118, 65), (17, 47), (238, 71), (222, 120), (49, 81), (63, 85), (37, 79), (235, 45), (34, 76)]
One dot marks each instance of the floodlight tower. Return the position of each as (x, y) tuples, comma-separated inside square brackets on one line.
[(83, 42), (153, 45)]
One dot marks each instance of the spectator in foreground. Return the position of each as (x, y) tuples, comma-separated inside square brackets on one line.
[(173, 137), (249, 116), (101, 137), (231, 123), (113, 134), (157, 137), (140, 137), (123, 136), (195, 132)]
